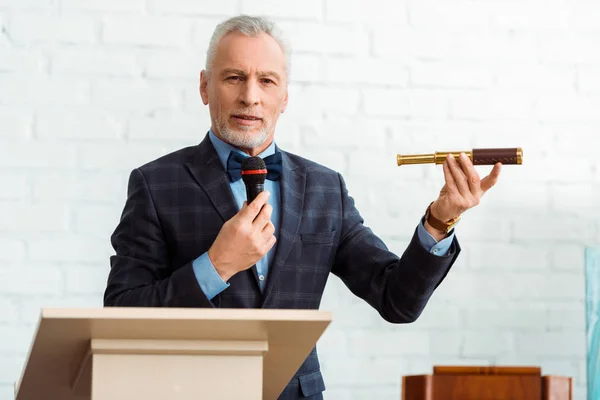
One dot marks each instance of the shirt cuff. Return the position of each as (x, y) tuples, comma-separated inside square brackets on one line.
[(208, 278), (430, 244)]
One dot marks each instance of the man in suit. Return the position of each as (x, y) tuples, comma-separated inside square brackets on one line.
[(188, 238)]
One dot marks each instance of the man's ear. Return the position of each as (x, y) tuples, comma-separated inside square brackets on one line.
[(203, 86)]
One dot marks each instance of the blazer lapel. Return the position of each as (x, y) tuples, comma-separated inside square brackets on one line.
[(292, 187), (208, 171)]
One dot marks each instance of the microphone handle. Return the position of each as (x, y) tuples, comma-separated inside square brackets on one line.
[(253, 190)]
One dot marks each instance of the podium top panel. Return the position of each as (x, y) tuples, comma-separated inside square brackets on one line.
[(63, 337), (485, 370)]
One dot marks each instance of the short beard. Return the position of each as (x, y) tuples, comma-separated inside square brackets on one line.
[(244, 140)]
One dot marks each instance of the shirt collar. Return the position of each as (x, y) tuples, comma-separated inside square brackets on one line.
[(223, 149)]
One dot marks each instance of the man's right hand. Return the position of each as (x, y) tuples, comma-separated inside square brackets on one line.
[(244, 239)]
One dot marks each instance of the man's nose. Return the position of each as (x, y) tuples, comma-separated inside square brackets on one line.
[(250, 93)]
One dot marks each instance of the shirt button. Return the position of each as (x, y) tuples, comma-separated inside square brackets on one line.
[(261, 277), (435, 251)]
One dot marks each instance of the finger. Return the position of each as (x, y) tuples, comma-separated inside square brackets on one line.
[(250, 211), (471, 174), (460, 180), (270, 243), (489, 181), (263, 218), (268, 230), (450, 184)]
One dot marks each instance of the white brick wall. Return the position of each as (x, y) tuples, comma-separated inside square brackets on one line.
[(91, 89)]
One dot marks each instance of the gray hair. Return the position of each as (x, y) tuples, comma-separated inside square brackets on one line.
[(249, 26)]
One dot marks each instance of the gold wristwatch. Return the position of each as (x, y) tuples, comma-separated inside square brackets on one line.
[(442, 226)]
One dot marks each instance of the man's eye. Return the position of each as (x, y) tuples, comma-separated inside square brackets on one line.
[(234, 78), (268, 81)]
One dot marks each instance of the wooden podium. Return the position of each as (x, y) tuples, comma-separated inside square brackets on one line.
[(166, 353), (486, 383)]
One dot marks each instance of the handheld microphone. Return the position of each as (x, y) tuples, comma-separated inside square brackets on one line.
[(254, 173)]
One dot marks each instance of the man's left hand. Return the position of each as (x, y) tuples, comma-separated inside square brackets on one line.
[(463, 188)]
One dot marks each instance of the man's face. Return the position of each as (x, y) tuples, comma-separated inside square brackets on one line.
[(246, 91)]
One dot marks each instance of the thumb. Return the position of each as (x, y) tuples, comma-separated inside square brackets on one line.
[(250, 211), (489, 181)]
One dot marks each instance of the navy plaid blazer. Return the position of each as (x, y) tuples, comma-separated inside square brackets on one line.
[(176, 206)]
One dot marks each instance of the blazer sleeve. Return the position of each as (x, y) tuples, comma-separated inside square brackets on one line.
[(397, 287), (140, 272)]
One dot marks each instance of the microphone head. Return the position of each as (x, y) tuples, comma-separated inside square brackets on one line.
[(254, 171)]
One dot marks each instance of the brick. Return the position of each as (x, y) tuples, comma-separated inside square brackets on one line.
[(437, 14), (445, 343), (532, 15), (476, 227), (569, 49), (372, 13), (364, 70), (551, 344), (9, 312), (581, 197), (117, 159), (535, 77), (536, 228), (21, 60), (104, 5), (69, 248), (15, 340), (32, 28), (453, 45), (443, 75), (36, 155), (569, 318), (15, 186), (343, 132), (16, 124), (386, 102), (308, 37), (588, 81), (584, 15), (171, 64), (12, 250), (568, 108), (33, 218), (146, 31), (17, 89), (224, 8), (166, 125), (128, 95), (37, 279), (94, 61), (506, 318), (307, 10), (314, 100), (428, 104), (477, 344), (95, 220), (381, 343), (27, 4), (512, 285), (329, 158), (570, 257), (358, 373), (306, 68), (521, 257), (67, 124), (495, 106), (86, 280), (95, 188), (10, 370)]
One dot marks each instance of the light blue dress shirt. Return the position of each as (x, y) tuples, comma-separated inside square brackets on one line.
[(211, 282)]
